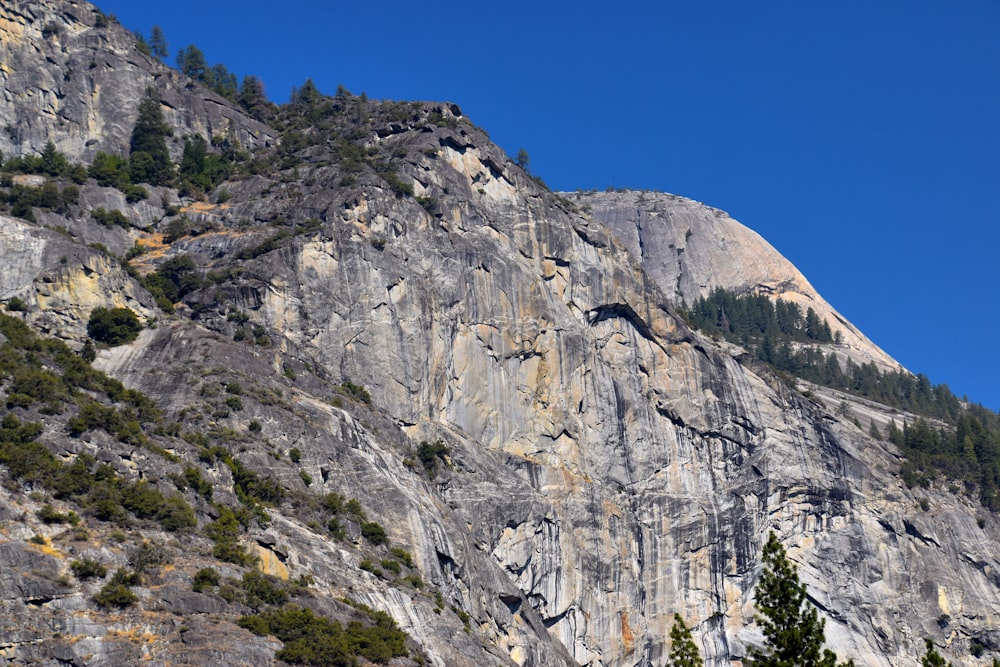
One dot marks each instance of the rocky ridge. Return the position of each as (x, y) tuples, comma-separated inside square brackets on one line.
[(607, 466), (70, 75), (690, 249)]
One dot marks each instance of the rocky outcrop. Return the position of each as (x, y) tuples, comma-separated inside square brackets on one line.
[(70, 75), (61, 281), (690, 249), (652, 464), (656, 462)]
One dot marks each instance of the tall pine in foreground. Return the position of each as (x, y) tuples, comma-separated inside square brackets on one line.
[(793, 631), (683, 650)]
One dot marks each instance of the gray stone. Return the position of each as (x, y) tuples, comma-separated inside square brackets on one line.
[(607, 466)]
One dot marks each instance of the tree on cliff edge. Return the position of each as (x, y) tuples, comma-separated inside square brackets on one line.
[(793, 631)]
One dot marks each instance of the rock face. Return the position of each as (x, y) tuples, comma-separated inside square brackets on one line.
[(608, 467), (690, 249), (74, 77)]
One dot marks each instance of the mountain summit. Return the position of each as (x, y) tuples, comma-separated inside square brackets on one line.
[(350, 385)]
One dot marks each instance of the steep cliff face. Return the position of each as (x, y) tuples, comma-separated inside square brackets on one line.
[(608, 467), (74, 77), (690, 249), (660, 462)]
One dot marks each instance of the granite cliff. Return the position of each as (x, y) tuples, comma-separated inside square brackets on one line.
[(395, 279), (690, 248), (68, 77)]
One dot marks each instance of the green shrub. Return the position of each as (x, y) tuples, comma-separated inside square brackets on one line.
[(110, 218), (175, 514), (369, 566), (402, 555), (333, 502), (225, 532), (357, 391), (353, 507), (49, 515), (310, 639), (205, 579), (201, 486), (30, 462), (88, 568), (336, 529), (255, 624), (147, 555), (113, 326), (177, 229), (260, 589), (295, 454), (16, 304), (109, 170), (134, 193), (116, 593), (373, 532), (249, 486), (94, 415), (430, 453)]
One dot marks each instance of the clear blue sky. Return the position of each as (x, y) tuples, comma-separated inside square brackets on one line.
[(862, 139)]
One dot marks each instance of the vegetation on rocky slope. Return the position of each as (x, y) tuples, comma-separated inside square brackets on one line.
[(205, 479), (949, 436), (41, 378)]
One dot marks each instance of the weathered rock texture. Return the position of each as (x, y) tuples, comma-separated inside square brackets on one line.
[(64, 78), (609, 467), (690, 249)]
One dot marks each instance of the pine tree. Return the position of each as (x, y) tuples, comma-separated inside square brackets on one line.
[(149, 161), (253, 98), (792, 628), (523, 160), (141, 44), (191, 62), (895, 435), (932, 658), (223, 82), (158, 43), (683, 650), (53, 162)]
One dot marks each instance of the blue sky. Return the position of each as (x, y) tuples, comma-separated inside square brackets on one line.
[(862, 139)]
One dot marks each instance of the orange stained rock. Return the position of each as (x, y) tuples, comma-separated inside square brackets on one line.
[(628, 639)]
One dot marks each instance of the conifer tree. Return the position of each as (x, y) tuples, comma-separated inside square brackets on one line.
[(683, 650), (932, 658), (158, 43), (873, 431), (792, 629), (149, 161), (523, 160), (53, 162), (191, 62), (253, 98), (223, 82), (141, 44)]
